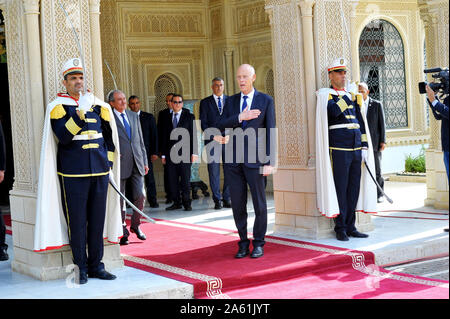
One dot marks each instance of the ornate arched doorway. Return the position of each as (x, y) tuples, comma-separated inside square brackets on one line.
[(164, 84), (382, 66)]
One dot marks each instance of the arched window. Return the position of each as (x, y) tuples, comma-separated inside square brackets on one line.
[(382, 66), (164, 84)]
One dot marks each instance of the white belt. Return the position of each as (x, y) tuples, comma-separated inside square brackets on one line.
[(85, 137), (348, 126)]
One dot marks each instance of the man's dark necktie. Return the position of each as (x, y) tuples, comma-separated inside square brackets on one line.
[(175, 120), (244, 105), (219, 105), (127, 126)]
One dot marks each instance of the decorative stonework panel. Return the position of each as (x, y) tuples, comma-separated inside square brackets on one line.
[(110, 44), (251, 17), (18, 80), (163, 24), (59, 42), (147, 64), (216, 23), (289, 84)]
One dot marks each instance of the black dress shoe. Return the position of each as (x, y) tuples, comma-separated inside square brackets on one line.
[(3, 255), (242, 252), (357, 234), (102, 274), (257, 252), (174, 207), (83, 278), (154, 205), (226, 204), (139, 233), (124, 241), (188, 208), (217, 205), (342, 236)]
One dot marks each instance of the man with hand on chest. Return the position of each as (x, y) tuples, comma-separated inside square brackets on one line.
[(250, 115)]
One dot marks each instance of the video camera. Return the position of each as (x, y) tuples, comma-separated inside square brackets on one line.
[(439, 87)]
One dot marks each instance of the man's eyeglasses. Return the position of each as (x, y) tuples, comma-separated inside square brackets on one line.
[(177, 102)]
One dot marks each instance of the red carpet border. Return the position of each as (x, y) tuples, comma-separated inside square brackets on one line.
[(290, 269)]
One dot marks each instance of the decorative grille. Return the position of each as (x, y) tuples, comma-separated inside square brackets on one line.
[(163, 85), (270, 83), (382, 65)]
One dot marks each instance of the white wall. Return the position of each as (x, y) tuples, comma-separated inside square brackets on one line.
[(393, 159)]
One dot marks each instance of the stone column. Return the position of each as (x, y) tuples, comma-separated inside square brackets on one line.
[(31, 11), (294, 182), (96, 49), (27, 117), (354, 40), (310, 69), (229, 71), (436, 20), (294, 48), (32, 38)]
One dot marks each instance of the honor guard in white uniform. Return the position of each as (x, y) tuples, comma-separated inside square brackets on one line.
[(79, 153), (342, 142)]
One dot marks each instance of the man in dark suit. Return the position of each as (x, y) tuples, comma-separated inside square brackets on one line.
[(133, 160), (150, 135), (249, 112), (211, 108), (163, 118), (373, 110), (178, 154), (3, 246)]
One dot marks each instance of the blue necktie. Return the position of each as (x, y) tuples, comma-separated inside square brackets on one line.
[(244, 105), (175, 120), (127, 126), (219, 104)]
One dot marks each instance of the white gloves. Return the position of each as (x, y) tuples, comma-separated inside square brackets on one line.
[(352, 88), (86, 101), (365, 155)]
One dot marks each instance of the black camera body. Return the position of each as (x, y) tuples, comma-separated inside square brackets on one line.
[(442, 75)]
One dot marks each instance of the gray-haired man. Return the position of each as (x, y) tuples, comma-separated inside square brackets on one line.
[(133, 159), (372, 110)]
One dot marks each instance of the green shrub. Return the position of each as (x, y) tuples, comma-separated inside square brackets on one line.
[(416, 164)]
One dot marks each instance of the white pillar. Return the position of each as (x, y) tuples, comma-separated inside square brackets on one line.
[(31, 11), (354, 45), (310, 74), (96, 48)]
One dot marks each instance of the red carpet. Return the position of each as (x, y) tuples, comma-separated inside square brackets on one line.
[(7, 219), (204, 257)]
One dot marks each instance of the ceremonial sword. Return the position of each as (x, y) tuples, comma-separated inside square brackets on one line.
[(378, 185), (113, 184), (111, 181)]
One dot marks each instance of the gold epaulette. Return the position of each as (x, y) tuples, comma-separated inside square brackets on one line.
[(57, 112), (330, 97), (104, 114), (358, 99)]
